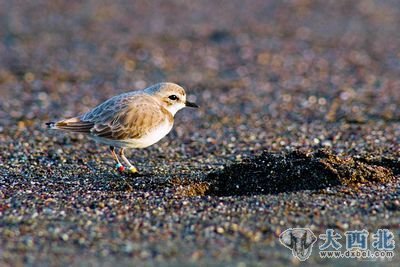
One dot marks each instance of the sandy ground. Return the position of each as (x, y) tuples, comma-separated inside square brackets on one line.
[(299, 126)]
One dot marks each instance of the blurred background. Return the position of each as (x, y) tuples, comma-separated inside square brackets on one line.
[(268, 74), (280, 58)]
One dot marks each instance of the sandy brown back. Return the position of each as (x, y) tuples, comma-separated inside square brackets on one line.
[(127, 116)]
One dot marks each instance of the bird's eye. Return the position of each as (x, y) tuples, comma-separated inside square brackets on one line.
[(173, 97)]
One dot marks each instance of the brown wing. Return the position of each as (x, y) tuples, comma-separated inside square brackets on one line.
[(126, 116), (134, 120), (102, 113)]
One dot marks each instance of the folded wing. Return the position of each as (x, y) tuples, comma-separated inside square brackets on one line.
[(119, 118)]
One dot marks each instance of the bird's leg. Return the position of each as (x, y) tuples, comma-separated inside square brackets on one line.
[(132, 169), (119, 166)]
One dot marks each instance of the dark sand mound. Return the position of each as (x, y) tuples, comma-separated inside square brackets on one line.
[(271, 173)]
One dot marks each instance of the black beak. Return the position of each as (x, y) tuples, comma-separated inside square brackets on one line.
[(191, 105)]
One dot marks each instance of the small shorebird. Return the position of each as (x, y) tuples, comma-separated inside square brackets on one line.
[(136, 119)]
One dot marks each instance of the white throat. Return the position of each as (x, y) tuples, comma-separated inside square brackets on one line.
[(175, 108)]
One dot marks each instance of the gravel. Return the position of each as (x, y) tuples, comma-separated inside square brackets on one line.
[(299, 126)]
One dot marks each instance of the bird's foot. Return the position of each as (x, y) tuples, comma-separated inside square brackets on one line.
[(132, 170), (120, 167)]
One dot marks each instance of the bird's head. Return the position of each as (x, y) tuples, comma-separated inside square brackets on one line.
[(171, 96)]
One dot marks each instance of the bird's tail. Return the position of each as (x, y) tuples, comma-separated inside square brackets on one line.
[(73, 125), (51, 125)]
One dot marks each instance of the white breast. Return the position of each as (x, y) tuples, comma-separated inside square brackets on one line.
[(151, 138)]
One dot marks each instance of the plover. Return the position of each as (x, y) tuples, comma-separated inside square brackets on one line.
[(136, 119)]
